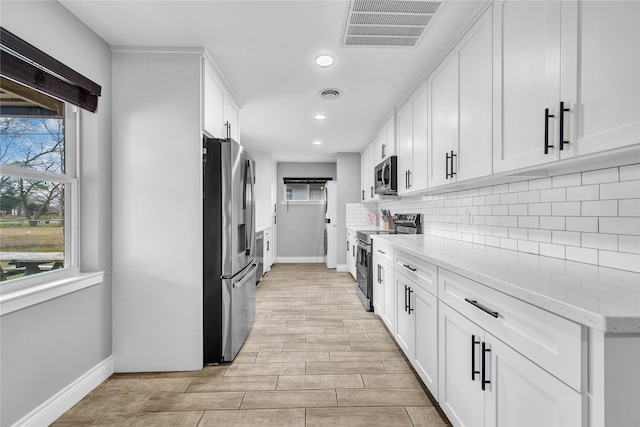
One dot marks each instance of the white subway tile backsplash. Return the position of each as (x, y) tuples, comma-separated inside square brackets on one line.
[(600, 176), (629, 207), (571, 238), (588, 256), (620, 225), (580, 223), (554, 251), (600, 241), (600, 208), (620, 260), (571, 180), (552, 223), (540, 235), (529, 196), (629, 244), (553, 195), (539, 209), (620, 190), (590, 217), (630, 172), (538, 184), (565, 208), (585, 192)]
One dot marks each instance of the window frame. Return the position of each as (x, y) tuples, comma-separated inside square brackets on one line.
[(19, 293), (307, 201)]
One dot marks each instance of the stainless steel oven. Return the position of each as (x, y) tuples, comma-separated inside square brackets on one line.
[(404, 224)]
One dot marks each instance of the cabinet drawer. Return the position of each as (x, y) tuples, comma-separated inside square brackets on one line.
[(383, 252), (550, 341), (421, 272)]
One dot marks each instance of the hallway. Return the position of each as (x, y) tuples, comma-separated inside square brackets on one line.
[(313, 358)]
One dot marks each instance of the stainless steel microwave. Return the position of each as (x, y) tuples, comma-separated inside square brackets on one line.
[(385, 177)]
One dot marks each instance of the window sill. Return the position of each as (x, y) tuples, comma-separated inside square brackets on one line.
[(14, 300), (302, 202)]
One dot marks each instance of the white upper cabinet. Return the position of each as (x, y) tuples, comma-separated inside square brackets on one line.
[(565, 80), (367, 166), (220, 113), (213, 108), (232, 119), (526, 81), (601, 85), (443, 120), (412, 143), (460, 103), (386, 142)]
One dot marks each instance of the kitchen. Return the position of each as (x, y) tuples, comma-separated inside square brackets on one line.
[(578, 205)]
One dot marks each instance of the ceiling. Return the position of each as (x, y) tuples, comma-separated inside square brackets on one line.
[(266, 52)]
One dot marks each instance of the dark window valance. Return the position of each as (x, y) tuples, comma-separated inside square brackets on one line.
[(306, 180), (28, 65)]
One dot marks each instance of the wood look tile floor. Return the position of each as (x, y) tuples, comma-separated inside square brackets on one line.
[(314, 357)]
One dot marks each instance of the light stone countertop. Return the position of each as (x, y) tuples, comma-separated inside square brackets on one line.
[(602, 298)]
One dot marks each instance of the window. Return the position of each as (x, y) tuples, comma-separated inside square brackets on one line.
[(38, 182), (305, 189)]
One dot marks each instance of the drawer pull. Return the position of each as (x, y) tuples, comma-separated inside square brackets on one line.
[(473, 357), (482, 307), (409, 267), (382, 252)]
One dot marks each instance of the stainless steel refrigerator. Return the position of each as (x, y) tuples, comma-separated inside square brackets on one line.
[(229, 303)]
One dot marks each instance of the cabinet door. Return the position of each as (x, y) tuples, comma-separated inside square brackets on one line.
[(460, 393), (405, 321), (354, 254), (213, 108), (232, 117), (526, 77), (475, 63), (378, 287), (405, 146), (443, 119), (600, 76), (381, 146), (523, 394), (418, 176), (389, 316), (425, 360), (390, 138), (266, 253)]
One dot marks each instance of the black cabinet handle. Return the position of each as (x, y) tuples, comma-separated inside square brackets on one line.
[(372, 191), (561, 125), (228, 126), (406, 179), (382, 252), (409, 179), (446, 166), (353, 247), (546, 130), (406, 306), (409, 267), (362, 194), (482, 307), (410, 308), (473, 357), (484, 379)]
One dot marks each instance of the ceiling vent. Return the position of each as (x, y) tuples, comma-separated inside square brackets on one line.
[(387, 23), (329, 94)]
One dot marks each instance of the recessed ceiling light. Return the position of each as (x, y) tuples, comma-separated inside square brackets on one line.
[(317, 142), (319, 117), (324, 60)]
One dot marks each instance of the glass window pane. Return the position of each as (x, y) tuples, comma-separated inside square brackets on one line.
[(297, 192), (316, 191), (31, 129), (31, 226)]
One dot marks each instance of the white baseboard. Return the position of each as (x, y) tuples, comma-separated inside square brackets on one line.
[(342, 268), (300, 259), (62, 401)]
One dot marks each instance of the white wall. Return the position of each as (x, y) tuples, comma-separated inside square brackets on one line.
[(591, 217), (262, 188), (157, 212), (348, 177), (47, 346)]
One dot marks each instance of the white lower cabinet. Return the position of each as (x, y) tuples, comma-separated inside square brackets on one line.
[(484, 382), (383, 285), (405, 322)]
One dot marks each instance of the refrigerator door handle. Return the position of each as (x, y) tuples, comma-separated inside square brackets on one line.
[(248, 207)]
